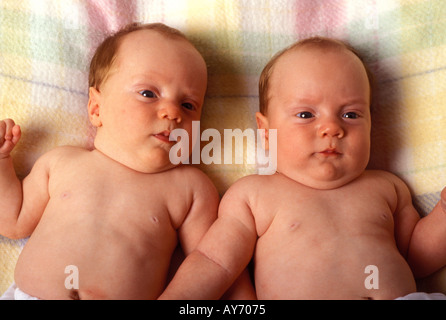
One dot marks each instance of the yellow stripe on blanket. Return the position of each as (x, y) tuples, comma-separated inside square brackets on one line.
[(9, 253), (421, 104)]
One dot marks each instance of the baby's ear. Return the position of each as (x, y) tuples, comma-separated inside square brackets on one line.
[(94, 107), (262, 124)]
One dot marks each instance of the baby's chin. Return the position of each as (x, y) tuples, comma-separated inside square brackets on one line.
[(322, 183), (329, 185), (153, 169), (324, 176), (155, 160), (154, 166)]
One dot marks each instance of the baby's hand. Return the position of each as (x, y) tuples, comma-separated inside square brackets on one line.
[(9, 136)]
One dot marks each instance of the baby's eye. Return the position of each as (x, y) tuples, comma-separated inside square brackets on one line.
[(350, 115), (305, 115), (188, 105), (147, 94)]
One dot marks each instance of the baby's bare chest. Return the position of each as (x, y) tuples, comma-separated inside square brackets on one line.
[(120, 197), (104, 183), (348, 210)]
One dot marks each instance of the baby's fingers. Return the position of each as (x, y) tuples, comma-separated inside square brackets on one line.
[(16, 134), (9, 136), (3, 131)]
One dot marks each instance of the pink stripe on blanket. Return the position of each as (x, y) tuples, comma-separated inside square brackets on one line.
[(105, 17), (109, 15), (320, 17)]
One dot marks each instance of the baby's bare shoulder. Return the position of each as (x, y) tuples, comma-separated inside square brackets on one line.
[(252, 180), (389, 185), (249, 189), (60, 153), (65, 151), (381, 176), (192, 179), (189, 175)]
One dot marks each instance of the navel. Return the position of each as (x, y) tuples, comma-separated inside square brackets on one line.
[(74, 295)]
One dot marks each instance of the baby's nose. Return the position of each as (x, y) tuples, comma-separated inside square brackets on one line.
[(331, 129), (170, 111)]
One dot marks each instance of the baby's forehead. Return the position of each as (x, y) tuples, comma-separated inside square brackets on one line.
[(135, 39), (312, 64), (315, 52), (154, 41), (313, 55)]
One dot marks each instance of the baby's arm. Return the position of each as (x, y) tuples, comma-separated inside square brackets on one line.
[(21, 203), (421, 241), (242, 289), (10, 186), (405, 215), (427, 252), (202, 212), (220, 257)]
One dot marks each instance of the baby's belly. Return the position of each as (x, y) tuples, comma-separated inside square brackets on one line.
[(355, 268), (70, 266)]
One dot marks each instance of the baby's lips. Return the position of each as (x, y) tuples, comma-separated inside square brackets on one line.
[(330, 151), (163, 135)]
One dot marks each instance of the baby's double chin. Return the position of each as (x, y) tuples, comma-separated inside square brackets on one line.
[(142, 163), (150, 166), (327, 179)]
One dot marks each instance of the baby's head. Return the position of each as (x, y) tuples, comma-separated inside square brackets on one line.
[(318, 43), (105, 55), (317, 93), (145, 81)]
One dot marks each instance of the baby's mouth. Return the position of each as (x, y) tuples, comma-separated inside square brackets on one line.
[(163, 136), (330, 152)]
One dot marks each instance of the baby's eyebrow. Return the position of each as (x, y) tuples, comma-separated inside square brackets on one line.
[(141, 78), (147, 75), (306, 100), (355, 101)]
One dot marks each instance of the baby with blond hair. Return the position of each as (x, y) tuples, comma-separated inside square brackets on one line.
[(108, 220), (322, 226)]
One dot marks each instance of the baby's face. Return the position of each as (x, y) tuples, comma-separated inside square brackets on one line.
[(319, 104), (156, 85)]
